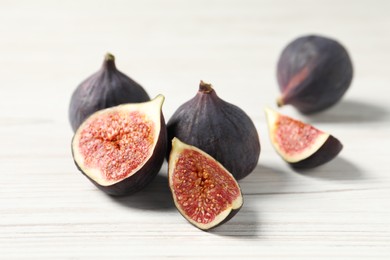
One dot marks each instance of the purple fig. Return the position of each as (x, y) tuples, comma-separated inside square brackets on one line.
[(219, 128), (313, 73), (106, 88)]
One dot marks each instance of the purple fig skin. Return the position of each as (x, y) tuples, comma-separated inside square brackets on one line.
[(219, 128), (143, 176), (313, 73), (329, 150), (106, 88), (229, 217)]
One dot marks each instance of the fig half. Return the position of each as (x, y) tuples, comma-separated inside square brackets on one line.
[(106, 88), (313, 72), (301, 145), (121, 149), (219, 128), (204, 192)]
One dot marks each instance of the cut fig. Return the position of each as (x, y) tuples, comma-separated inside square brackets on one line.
[(121, 149), (219, 128), (204, 192), (301, 145)]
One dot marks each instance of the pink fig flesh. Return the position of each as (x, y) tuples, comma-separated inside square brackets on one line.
[(204, 192), (300, 144), (121, 149)]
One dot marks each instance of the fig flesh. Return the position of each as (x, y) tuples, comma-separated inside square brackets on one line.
[(121, 149), (204, 192), (219, 128), (313, 73), (106, 88), (301, 145)]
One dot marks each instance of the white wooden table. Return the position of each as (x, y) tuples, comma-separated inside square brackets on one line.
[(48, 210)]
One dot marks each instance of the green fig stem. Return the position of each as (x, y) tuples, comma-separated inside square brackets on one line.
[(205, 87), (109, 61), (279, 102), (109, 56)]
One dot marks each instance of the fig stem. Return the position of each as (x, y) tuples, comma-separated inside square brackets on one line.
[(205, 87), (109, 61), (279, 102), (109, 56)]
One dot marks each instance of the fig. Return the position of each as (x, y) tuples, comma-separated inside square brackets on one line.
[(219, 128), (313, 73), (121, 149), (204, 192), (106, 88), (301, 145)]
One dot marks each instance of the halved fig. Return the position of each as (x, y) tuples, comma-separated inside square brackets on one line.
[(299, 144), (121, 149), (204, 192)]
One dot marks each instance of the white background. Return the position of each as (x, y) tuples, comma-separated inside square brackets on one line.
[(48, 210)]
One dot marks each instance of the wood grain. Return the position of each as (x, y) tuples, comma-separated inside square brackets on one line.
[(48, 210)]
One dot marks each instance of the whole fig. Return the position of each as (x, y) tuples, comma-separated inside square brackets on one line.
[(106, 88), (219, 128), (313, 73)]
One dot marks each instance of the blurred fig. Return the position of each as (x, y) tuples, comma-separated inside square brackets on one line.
[(313, 73)]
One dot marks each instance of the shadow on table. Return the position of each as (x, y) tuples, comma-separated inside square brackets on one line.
[(269, 181), (337, 169), (156, 196), (264, 181), (244, 225), (350, 111)]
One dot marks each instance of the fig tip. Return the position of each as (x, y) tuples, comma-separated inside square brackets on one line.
[(109, 62), (205, 87), (109, 57), (280, 102)]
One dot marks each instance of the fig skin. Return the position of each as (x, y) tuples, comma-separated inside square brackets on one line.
[(313, 73), (177, 148), (106, 88), (219, 128), (322, 150), (145, 174), (328, 151)]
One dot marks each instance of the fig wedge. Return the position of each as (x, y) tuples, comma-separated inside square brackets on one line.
[(301, 145), (204, 192)]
